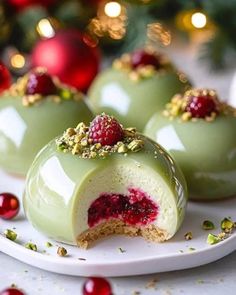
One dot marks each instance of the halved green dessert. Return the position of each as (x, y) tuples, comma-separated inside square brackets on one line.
[(199, 132), (32, 112), (135, 87), (101, 180)]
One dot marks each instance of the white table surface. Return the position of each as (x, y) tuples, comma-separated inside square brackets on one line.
[(216, 278)]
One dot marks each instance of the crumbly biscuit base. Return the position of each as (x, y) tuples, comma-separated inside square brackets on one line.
[(118, 227)]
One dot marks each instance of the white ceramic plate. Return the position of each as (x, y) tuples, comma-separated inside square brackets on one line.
[(137, 257)]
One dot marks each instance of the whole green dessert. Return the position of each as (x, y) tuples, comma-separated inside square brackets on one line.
[(32, 112), (199, 132), (135, 87), (102, 179)]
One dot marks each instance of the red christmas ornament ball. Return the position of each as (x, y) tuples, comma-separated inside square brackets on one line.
[(5, 77), (20, 5), (69, 56), (11, 291), (97, 286), (9, 206)]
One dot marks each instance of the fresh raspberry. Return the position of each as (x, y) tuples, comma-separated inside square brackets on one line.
[(40, 82), (143, 58), (201, 106), (106, 130)]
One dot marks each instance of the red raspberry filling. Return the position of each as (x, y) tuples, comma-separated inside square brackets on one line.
[(201, 106), (143, 58), (106, 130), (40, 83), (136, 208)]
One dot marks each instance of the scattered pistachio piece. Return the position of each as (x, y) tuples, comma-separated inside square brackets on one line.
[(121, 250), (48, 245), (213, 239), (227, 225), (188, 236), (192, 249), (61, 251), (208, 225), (31, 246), (10, 234)]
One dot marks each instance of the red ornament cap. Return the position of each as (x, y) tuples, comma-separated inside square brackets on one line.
[(97, 286), (5, 77), (9, 205), (106, 130)]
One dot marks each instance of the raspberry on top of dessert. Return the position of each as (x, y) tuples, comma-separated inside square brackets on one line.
[(37, 85), (196, 104), (142, 64), (104, 136)]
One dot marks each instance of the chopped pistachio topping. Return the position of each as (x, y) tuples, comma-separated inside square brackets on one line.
[(31, 246), (227, 225), (143, 71), (188, 236), (77, 141), (177, 106), (208, 225), (61, 251), (10, 234), (64, 92)]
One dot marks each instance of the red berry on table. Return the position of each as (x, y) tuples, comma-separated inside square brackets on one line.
[(9, 205), (40, 82), (143, 58), (5, 78), (11, 291), (105, 130), (201, 106), (97, 286)]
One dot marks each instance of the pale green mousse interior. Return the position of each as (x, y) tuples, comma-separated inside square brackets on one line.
[(25, 130), (205, 151), (57, 184), (133, 103)]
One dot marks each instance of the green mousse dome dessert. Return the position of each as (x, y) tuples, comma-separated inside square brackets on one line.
[(103, 179), (33, 111), (135, 87), (199, 132)]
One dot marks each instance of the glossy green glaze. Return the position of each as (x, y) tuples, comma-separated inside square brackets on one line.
[(25, 130), (206, 152), (56, 179), (133, 103)]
